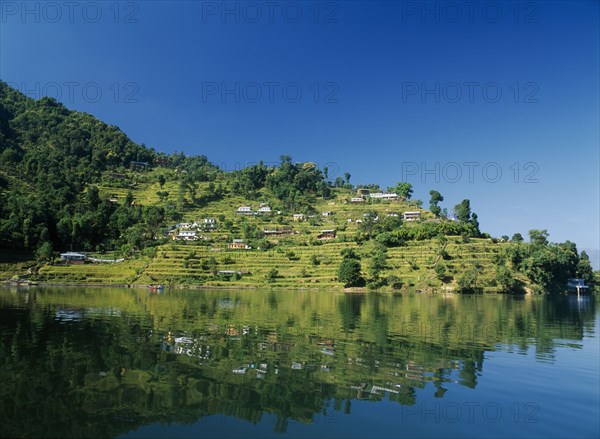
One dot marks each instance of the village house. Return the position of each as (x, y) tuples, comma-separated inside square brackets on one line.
[(286, 230), (208, 224), (328, 213), (327, 234), (384, 195), (412, 216), (238, 244), (299, 217), (73, 258), (245, 210), (186, 235), (264, 209), (357, 200), (363, 192), (392, 214)]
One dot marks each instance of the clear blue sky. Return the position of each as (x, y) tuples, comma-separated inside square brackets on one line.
[(441, 94)]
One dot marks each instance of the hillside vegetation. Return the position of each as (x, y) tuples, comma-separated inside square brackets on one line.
[(69, 182)]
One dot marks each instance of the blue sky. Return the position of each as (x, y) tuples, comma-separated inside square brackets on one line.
[(497, 102)]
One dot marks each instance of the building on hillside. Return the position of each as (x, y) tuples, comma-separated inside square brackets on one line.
[(327, 234), (299, 217), (73, 257), (412, 216), (363, 192), (208, 224), (264, 209), (328, 213), (186, 235), (384, 195), (238, 244), (245, 210), (392, 214), (357, 200)]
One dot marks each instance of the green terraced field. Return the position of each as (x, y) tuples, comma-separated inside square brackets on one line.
[(189, 263)]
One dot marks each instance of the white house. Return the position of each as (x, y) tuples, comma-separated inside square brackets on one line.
[(357, 200), (412, 216), (264, 209), (328, 213), (244, 210), (208, 224), (299, 217), (186, 235), (384, 195)]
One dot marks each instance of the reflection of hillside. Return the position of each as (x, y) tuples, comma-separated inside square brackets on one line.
[(101, 362)]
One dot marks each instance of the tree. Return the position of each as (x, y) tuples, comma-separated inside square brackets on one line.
[(462, 211), (161, 180), (349, 253), (440, 271), (347, 177), (128, 199), (44, 253), (435, 199), (505, 279), (272, 275), (349, 272), (93, 197), (162, 195), (584, 268), (404, 190), (517, 237), (475, 222), (538, 237)]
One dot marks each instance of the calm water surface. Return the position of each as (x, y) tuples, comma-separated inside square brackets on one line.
[(129, 363)]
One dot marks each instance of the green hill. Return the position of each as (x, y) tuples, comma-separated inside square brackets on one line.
[(69, 182)]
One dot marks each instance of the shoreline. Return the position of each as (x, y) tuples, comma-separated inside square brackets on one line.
[(199, 287)]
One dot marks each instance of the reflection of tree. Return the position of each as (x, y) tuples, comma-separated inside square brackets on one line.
[(83, 364)]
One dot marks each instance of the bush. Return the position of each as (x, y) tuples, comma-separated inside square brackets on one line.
[(272, 275), (349, 272), (440, 272)]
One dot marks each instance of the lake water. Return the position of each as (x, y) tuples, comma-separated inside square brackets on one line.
[(296, 364)]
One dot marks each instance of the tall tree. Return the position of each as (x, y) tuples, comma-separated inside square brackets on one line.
[(404, 189), (462, 211), (435, 199), (538, 237)]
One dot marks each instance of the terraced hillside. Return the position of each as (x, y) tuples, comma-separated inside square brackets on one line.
[(296, 259)]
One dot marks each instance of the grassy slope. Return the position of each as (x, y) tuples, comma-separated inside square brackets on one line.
[(412, 263)]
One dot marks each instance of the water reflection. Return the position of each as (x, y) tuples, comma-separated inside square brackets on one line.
[(84, 362)]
